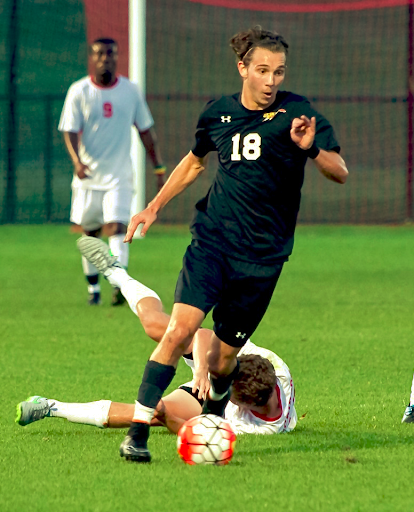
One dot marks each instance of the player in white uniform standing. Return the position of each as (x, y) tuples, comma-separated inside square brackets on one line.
[(96, 121)]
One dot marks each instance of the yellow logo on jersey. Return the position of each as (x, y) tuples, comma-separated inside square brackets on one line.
[(270, 115)]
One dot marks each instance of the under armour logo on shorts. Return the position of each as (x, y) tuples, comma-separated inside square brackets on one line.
[(241, 335)]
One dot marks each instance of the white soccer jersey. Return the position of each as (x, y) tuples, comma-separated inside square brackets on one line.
[(104, 116), (245, 421)]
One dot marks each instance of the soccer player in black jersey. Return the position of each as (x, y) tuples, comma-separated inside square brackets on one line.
[(243, 229)]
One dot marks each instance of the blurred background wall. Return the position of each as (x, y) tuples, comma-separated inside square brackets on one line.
[(352, 59)]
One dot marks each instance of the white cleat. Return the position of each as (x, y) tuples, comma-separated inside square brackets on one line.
[(408, 414), (99, 254)]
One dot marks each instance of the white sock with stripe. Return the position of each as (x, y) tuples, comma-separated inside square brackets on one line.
[(91, 413)]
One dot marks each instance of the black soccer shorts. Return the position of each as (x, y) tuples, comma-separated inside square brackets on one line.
[(238, 291)]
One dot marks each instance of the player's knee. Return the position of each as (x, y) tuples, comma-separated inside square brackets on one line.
[(181, 333), (151, 325)]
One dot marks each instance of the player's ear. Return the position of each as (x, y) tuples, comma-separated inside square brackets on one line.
[(242, 69)]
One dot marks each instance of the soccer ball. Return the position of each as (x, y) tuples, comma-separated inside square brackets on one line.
[(206, 439)]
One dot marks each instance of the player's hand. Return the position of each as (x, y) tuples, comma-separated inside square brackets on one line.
[(160, 412), (303, 131), (146, 217), (202, 383), (82, 171)]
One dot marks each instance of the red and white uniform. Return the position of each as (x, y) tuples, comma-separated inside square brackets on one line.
[(245, 421), (105, 116)]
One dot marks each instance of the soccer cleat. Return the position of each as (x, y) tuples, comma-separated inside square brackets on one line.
[(98, 253), (117, 298), (94, 299), (408, 414), (33, 409), (131, 451)]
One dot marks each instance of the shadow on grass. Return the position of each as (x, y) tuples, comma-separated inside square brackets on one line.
[(317, 441)]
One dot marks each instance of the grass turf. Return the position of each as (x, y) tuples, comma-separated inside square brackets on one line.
[(341, 318)]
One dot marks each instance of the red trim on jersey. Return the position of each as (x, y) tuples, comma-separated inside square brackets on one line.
[(290, 406), (266, 418), (102, 86)]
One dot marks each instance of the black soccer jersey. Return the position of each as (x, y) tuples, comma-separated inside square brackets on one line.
[(251, 207)]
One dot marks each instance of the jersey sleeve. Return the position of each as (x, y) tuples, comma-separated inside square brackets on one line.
[(325, 136), (71, 119), (143, 118), (203, 143)]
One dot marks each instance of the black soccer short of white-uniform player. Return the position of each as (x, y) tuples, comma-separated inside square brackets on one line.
[(242, 231)]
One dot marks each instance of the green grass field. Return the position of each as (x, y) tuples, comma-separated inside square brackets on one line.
[(341, 317)]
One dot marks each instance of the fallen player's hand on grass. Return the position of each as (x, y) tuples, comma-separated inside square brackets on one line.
[(160, 412)]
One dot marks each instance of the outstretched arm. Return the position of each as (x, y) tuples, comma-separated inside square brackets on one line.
[(328, 163), (183, 175)]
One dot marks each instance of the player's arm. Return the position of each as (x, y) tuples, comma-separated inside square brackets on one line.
[(201, 345), (150, 142), (186, 172), (329, 163), (72, 145)]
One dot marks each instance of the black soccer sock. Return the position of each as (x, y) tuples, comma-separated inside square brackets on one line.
[(93, 280), (156, 379), (220, 386)]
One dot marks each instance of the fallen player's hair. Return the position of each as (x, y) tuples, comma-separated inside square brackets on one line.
[(255, 381)]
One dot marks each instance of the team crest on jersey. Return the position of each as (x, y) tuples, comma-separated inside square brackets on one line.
[(270, 115)]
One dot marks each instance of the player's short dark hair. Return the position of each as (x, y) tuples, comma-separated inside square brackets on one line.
[(255, 381), (244, 43), (103, 40)]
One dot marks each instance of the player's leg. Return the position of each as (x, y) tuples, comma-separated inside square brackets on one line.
[(408, 416), (244, 303), (116, 213), (198, 288), (171, 412), (36, 408), (86, 211), (223, 367), (144, 302), (116, 233), (158, 374)]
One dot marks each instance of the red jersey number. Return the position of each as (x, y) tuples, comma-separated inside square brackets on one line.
[(107, 109)]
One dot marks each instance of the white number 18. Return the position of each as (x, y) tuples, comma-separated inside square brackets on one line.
[(251, 147)]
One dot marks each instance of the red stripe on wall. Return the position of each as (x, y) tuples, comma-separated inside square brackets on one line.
[(357, 5), (106, 18)]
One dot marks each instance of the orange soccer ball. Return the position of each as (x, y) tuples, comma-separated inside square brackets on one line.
[(206, 439)]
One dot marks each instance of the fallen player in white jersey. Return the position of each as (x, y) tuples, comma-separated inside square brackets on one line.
[(263, 395), (262, 401)]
